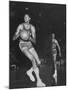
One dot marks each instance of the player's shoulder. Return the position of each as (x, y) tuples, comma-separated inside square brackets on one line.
[(21, 25), (32, 26), (56, 41)]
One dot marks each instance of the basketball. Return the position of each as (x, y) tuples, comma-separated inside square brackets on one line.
[(25, 35)]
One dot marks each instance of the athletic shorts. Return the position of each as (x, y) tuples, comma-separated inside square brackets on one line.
[(54, 51), (25, 44)]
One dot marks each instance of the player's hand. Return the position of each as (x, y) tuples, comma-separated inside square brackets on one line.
[(39, 62), (15, 37), (32, 40)]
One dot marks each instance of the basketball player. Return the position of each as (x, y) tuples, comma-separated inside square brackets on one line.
[(55, 44), (27, 34)]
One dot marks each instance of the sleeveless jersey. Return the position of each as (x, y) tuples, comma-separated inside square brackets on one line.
[(25, 34), (53, 45)]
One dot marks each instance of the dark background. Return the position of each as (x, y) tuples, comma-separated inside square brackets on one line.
[(47, 19)]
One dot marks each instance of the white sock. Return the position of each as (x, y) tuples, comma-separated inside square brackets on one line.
[(55, 76)]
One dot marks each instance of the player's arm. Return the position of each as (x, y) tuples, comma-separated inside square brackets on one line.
[(58, 47), (17, 32), (33, 34)]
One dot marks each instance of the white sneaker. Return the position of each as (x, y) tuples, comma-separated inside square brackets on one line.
[(30, 75), (40, 84)]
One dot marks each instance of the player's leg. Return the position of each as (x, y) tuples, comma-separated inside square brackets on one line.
[(36, 69), (54, 57), (30, 75), (34, 53), (39, 81), (55, 76), (28, 54), (55, 72)]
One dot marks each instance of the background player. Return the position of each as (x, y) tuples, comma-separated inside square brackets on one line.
[(55, 44)]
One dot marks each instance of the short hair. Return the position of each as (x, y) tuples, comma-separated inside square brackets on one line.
[(27, 16)]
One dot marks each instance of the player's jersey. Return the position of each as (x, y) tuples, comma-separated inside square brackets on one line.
[(25, 34), (53, 45)]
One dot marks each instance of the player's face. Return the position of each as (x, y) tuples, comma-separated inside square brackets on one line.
[(53, 35), (26, 18)]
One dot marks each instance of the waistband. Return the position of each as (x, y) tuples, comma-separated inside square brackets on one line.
[(24, 40)]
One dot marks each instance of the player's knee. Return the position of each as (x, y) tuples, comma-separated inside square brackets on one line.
[(31, 57)]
